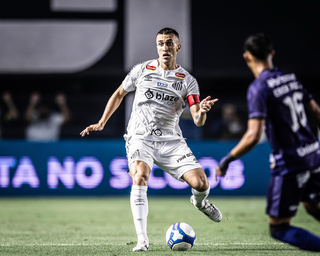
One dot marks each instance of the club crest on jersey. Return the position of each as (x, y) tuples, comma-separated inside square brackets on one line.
[(162, 84), (148, 78), (177, 85), (149, 94), (153, 68), (180, 75)]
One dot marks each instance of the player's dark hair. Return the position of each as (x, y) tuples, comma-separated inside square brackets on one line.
[(259, 45), (166, 31)]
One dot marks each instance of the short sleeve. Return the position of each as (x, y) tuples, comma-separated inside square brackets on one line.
[(129, 83), (257, 101), (193, 87)]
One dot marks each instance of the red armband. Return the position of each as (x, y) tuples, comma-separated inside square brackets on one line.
[(192, 99)]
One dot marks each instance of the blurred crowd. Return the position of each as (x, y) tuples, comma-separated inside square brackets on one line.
[(47, 118), (39, 120)]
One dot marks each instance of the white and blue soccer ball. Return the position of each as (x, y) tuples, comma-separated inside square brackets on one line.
[(180, 237)]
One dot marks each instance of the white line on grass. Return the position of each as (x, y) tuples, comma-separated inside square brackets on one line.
[(213, 244)]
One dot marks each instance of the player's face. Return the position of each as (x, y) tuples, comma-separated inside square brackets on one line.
[(167, 46)]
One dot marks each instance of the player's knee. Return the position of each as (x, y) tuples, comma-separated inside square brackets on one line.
[(140, 179), (275, 229), (202, 185)]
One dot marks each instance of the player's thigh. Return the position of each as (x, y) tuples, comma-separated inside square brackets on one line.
[(176, 158), (140, 158), (284, 194)]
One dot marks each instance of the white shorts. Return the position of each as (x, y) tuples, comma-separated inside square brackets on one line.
[(173, 157)]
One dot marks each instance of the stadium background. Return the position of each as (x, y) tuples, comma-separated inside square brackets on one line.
[(85, 48)]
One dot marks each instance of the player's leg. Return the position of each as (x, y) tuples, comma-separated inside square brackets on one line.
[(198, 181), (139, 172), (283, 196), (199, 185), (281, 230), (311, 195), (140, 163)]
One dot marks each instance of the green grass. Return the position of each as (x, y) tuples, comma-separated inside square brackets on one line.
[(104, 226)]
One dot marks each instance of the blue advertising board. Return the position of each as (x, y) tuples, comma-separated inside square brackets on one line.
[(100, 168)]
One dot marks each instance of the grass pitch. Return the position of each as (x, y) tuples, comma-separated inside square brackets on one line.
[(104, 226)]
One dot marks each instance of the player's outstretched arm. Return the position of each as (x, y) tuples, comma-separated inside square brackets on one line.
[(248, 141), (199, 110), (111, 107)]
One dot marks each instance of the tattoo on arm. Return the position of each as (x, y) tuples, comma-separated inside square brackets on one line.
[(196, 117)]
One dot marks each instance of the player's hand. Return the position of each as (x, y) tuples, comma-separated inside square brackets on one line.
[(221, 170), (93, 127), (205, 104)]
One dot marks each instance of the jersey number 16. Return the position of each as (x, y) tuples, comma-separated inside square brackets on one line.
[(298, 114)]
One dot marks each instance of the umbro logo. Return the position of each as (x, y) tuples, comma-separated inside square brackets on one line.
[(148, 78)]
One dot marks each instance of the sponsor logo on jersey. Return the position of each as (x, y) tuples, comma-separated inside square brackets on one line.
[(180, 75), (177, 85), (148, 78), (153, 68), (166, 97), (273, 82), (156, 132), (159, 132), (149, 94), (161, 96), (162, 84), (308, 149)]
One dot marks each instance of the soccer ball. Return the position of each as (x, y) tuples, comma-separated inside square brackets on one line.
[(180, 237)]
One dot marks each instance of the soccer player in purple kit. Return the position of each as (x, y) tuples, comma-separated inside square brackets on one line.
[(278, 102)]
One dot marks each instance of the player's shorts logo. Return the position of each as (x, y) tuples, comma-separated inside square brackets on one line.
[(153, 68), (149, 94), (177, 85), (180, 75), (184, 157), (135, 154)]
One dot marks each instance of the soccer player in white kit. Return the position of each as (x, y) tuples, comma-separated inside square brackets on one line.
[(162, 89)]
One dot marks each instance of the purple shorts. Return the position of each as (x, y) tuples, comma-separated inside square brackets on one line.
[(285, 192)]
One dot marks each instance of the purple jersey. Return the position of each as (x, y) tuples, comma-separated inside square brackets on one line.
[(281, 100)]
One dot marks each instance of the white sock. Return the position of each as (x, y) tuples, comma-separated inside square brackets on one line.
[(139, 207), (200, 196)]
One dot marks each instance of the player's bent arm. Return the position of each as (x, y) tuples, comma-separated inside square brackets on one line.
[(314, 108), (112, 105), (250, 139), (199, 109), (199, 118)]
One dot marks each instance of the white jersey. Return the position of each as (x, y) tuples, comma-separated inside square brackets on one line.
[(160, 98)]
